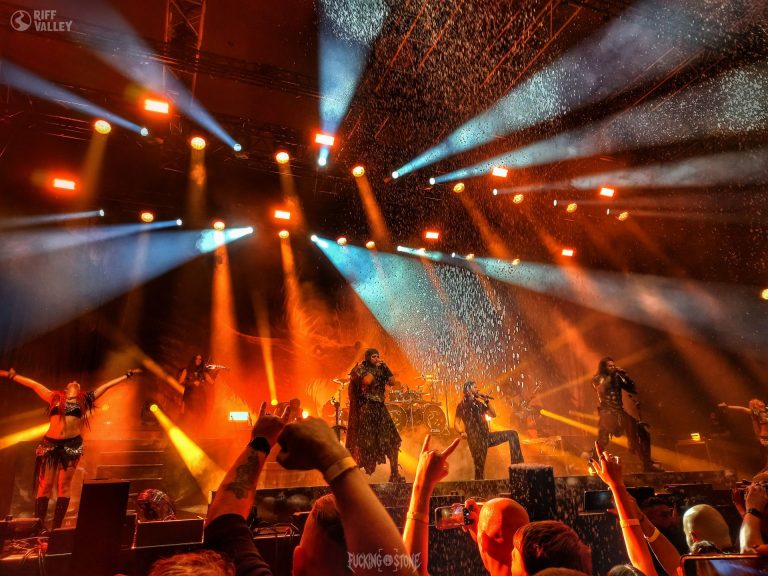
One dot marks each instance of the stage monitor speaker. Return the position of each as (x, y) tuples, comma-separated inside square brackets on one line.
[(534, 487), (99, 529), (164, 532)]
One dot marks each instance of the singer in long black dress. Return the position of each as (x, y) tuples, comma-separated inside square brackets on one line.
[(371, 434), (471, 422), (196, 380), (614, 419)]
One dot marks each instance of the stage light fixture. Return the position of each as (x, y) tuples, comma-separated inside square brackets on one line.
[(607, 211), (431, 181), (764, 294), (569, 252), (500, 171), (273, 402), (571, 208), (607, 192), (284, 234), (458, 187), (218, 225), (516, 261), (147, 216), (370, 244), (144, 131), (101, 212), (495, 192), (179, 222), (282, 157), (304, 414), (554, 202), (341, 241), (623, 216), (395, 175), (282, 215), (358, 171), (324, 139), (155, 105), (198, 143), (517, 198), (237, 147), (64, 184), (421, 250), (102, 127), (238, 416), (432, 235), (322, 160), (154, 408), (314, 238), (470, 256)]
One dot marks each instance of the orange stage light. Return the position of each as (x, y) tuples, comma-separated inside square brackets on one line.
[(64, 184), (284, 234), (341, 241), (470, 256), (500, 171), (432, 235), (305, 414), (370, 244), (518, 198), (324, 139), (764, 294), (458, 187), (102, 127), (198, 143), (358, 171), (155, 105), (623, 216), (607, 192), (568, 252), (282, 215), (495, 192), (147, 216), (516, 261), (218, 225), (571, 208), (282, 157)]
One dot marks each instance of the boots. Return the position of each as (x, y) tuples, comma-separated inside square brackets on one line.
[(394, 475), (41, 508), (61, 510)]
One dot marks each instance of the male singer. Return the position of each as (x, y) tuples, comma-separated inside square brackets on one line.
[(371, 434), (609, 382), (471, 423)]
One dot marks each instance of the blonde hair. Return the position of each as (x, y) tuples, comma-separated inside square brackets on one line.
[(199, 563)]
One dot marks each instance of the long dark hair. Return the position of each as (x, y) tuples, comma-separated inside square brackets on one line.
[(193, 368), (59, 399), (602, 367)]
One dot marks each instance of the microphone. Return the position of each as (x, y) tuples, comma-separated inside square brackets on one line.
[(485, 396)]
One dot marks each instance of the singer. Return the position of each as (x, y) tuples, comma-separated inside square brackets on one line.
[(608, 383), (371, 434), (471, 423)]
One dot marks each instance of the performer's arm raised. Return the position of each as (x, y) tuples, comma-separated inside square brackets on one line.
[(34, 385), (114, 382)]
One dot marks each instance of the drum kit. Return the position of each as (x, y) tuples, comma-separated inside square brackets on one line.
[(408, 407)]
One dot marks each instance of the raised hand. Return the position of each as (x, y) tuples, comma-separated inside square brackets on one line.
[(269, 426), (309, 444), (606, 466), (433, 464)]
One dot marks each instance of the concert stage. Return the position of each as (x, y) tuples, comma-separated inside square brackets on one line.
[(277, 520)]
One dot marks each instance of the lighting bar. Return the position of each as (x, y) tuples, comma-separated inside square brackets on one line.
[(158, 106), (64, 184), (569, 252), (607, 192), (500, 171), (324, 139), (431, 235), (282, 215)]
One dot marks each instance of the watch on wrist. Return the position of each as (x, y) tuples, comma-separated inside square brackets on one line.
[(755, 512), (260, 444)]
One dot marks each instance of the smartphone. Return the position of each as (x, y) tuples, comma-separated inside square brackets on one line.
[(598, 500), (729, 564), (453, 516)]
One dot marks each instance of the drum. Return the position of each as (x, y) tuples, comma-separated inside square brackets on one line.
[(434, 418), (399, 417)]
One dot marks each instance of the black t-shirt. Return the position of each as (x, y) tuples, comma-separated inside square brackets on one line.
[(230, 535), (472, 413)]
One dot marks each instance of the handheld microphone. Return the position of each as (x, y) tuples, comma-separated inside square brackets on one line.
[(485, 396)]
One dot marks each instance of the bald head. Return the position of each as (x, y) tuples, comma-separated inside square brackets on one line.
[(499, 520), (703, 522)]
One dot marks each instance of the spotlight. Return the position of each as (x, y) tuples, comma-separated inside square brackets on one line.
[(283, 234), (236, 147), (144, 131), (608, 212), (623, 216), (554, 202), (314, 238), (764, 294), (431, 181), (273, 402), (153, 408), (495, 192), (517, 198), (358, 171), (282, 157), (101, 212), (154, 105), (422, 250), (516, 261), (147, 216), (341, 241), (239, 416), (282, 215), (567, 252), (370, 244), (458, 187), (64, 184), (432, 235), (395, 175), (488, 417), (218, 225), (571, 208), (179, 222), (607, 192), (500, 171), (102, 127), (198, 143), (322, 161), (304, 414), (324, 139), (470, 256)]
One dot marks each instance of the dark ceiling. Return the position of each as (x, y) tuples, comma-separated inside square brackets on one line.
[(434, 65)]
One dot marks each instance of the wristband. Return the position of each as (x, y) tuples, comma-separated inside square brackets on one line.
[(128, 374), (260, 444), (653, 537), (629, 522), (755, 512), (419, 517), (339, 468)]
